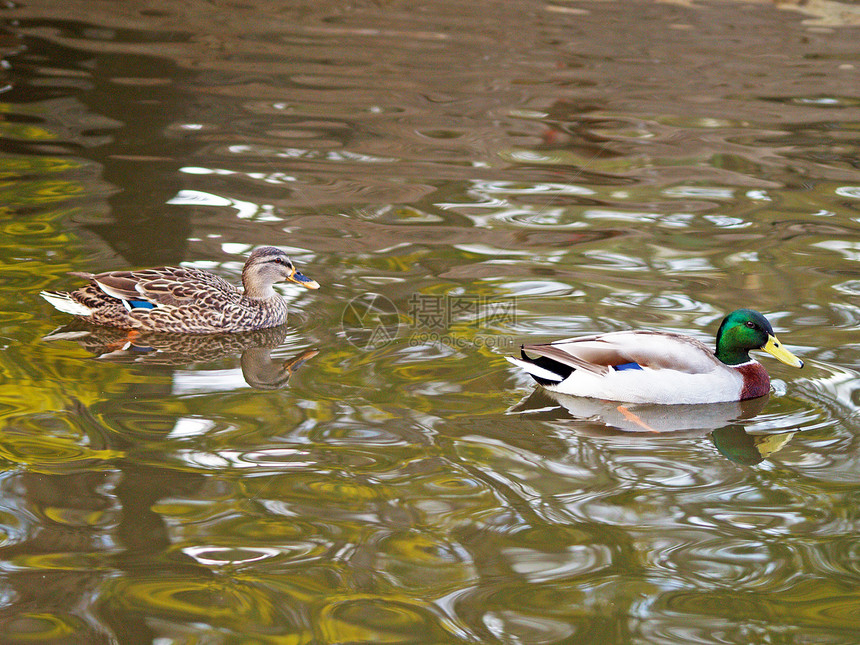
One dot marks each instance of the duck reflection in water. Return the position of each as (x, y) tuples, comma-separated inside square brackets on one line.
[(259, 369), (601, 418)]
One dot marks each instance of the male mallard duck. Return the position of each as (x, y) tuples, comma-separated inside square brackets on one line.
[(185, 300), (660, 367)]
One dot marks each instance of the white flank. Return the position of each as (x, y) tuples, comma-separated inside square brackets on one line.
[(64, 303), (534, 370), (654, 386)]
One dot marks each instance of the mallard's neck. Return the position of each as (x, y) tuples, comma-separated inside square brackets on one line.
[(256, 288), (732, 355)]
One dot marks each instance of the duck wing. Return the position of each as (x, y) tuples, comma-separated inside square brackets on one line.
[(644, 349), (164, 286)]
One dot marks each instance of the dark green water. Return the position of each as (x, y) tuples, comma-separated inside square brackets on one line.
[(483, 174)]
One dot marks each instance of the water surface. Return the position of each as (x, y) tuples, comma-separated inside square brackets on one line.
[(468, 177)]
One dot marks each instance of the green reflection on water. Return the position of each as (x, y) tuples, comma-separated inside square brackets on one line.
[(409, 492)]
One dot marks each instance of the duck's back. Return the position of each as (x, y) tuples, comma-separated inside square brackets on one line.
[(657, 350), (171, 286)]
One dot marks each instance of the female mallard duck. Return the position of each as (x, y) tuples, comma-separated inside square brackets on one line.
[(185, 300), (660, 367)]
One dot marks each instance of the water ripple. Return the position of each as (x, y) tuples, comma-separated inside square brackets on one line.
[(602, 178)]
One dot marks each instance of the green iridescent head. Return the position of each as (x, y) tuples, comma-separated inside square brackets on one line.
[(745, 329)]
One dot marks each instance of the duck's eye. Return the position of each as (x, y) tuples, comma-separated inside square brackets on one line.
[(750, 324)]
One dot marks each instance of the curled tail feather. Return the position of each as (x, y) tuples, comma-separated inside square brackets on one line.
[(545, 371)]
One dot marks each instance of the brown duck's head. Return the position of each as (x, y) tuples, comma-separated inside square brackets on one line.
[(268, 265)]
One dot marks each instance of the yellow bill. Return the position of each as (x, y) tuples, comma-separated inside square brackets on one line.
[(780, 353)]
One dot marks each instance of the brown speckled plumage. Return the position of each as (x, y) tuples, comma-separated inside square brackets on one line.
[(185, 300)]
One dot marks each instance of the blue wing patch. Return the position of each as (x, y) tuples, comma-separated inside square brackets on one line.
[(141, 304), (628, 366)]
